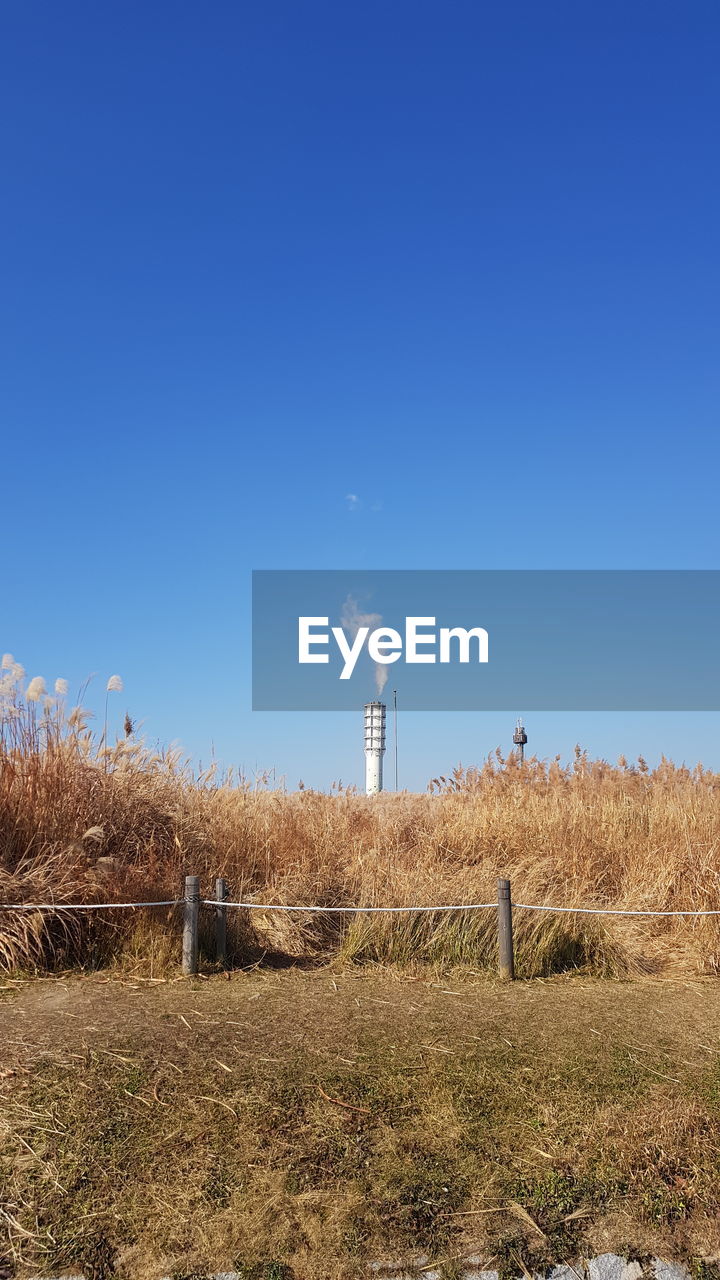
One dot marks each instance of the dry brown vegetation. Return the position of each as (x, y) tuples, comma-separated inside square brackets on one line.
[(301, 1125), (80, 820), (298, 1125)]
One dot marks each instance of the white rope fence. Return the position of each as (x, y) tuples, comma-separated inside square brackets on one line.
[(468, 906), (355, 910), (84, 906), (335, 910), (277, 906), (611, 911), (192, 902)]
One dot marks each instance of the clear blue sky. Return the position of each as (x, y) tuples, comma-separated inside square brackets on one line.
[(458, 260)]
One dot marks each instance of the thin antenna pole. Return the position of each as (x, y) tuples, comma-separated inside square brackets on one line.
[(520, 738), (395, 720)]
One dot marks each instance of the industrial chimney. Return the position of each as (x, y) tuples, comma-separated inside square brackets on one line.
[(374, 746)]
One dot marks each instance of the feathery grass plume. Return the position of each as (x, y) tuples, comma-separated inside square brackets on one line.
[(97, 834), (8, 684), (61, 687), (36, 689), (16, 672), (9, 664), (78, 719), (114, 685)]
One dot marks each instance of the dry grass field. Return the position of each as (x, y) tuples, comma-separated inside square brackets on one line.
[(299, 1125), (358, 1087), (80, 820)]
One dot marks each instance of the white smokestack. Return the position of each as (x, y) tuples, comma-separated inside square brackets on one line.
[(374, 746)]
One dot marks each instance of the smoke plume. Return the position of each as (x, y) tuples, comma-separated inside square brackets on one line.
[(351, 620)]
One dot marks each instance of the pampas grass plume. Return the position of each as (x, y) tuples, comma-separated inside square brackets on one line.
[(36, 689), (9, 664), (115, 685)]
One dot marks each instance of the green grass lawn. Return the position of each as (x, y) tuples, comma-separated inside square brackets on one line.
[(301, 1124)]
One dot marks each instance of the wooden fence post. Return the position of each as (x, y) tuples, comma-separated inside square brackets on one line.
[(221, 923), (505, 933), (191, 919)]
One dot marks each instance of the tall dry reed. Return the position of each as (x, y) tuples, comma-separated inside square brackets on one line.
[(83, 820)]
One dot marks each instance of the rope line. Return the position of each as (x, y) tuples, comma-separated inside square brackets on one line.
[(468, 906), (84, 906), (355, 910), (612, 911), (277, 906)]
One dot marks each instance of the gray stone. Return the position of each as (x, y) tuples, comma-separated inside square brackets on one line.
[(565, 1272), (669, 1270), (610, 1266), (607, 1266)]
